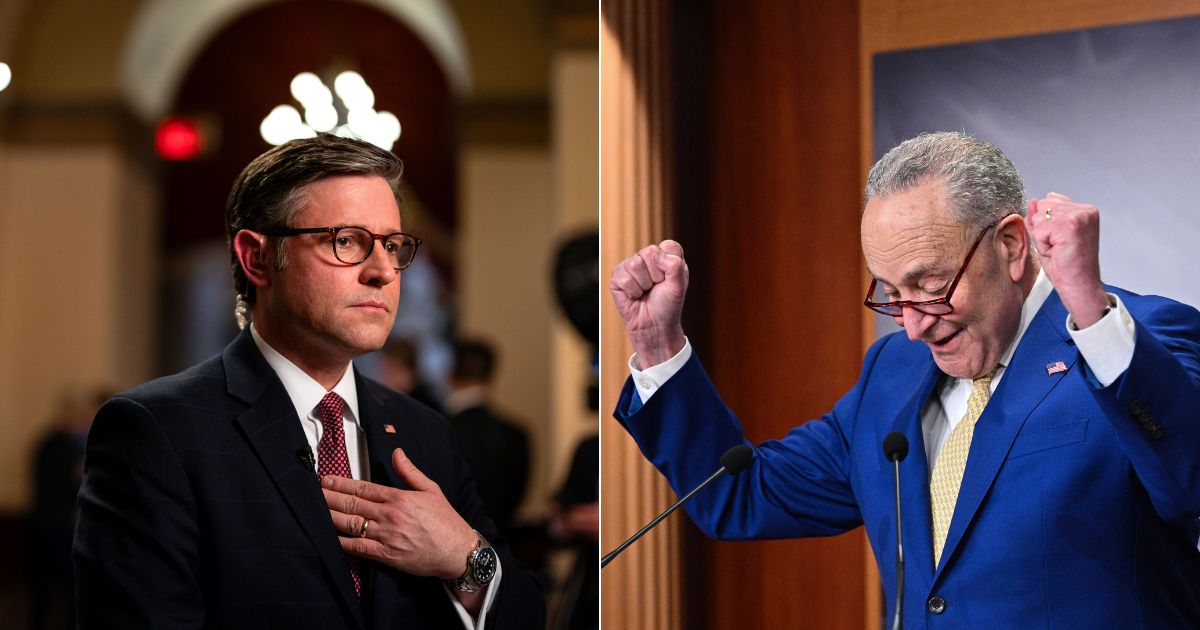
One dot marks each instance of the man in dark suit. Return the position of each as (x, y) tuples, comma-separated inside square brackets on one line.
[(272, 486), (496, 448), (1054, 475)]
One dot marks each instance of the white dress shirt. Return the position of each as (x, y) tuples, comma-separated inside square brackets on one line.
[(1107, 346), (305, 393)]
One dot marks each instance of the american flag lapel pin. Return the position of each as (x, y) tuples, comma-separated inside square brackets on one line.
[(1055, 368), (387, 428)]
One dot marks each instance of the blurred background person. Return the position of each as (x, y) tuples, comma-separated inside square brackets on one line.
[(495, 447), (398, 369), (57, 473), (576, 524), (575, 520)]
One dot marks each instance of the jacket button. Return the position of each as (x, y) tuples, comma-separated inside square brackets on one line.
[(936, 605)]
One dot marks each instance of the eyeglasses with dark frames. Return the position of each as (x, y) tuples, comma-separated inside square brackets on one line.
[(353, 245), (937, 306)]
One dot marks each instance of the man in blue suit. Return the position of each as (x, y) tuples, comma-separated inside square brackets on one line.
[(273, 486), (1054, 474)]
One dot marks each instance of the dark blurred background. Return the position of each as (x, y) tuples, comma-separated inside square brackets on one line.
[(121, 130)]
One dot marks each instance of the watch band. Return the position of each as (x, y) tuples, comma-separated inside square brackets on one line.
[(481, 567)]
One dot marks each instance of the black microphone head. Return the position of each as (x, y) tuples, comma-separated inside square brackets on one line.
[(737, 458), (895, 446)]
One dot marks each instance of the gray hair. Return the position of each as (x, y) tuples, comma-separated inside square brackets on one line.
[(270, 190), (982, 185)]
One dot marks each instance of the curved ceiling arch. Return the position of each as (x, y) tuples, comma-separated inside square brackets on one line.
[(167, 34)]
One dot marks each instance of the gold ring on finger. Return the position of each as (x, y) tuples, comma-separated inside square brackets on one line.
[(1048, 217), (362, 533)]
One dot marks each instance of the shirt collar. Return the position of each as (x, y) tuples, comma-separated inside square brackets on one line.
[(1033, 303), (302, 389)]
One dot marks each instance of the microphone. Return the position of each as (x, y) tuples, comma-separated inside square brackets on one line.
[(895, 449), (733, 461), (305, 456)]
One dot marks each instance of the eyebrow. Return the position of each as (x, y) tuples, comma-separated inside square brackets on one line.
[(363, 227), (922, 271), (913, 274)]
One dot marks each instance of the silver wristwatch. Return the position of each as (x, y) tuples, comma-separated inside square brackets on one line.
[(481, 567)]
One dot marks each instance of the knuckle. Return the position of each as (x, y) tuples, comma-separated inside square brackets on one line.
[(624, 280)]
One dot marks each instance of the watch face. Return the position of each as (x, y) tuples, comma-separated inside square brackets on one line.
[(483, 569)]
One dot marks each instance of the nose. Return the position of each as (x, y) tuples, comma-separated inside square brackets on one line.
[(377, 269), (915, 323)]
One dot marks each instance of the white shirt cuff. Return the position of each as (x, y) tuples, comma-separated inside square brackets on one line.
[(649, 380), (1107, 345), (488, 598)]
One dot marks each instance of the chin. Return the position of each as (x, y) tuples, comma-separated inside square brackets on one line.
[(372, 343), (955, 367), (361, 341)]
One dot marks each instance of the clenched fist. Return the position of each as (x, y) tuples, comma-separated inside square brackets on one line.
[(648, 289), (1067, 236)]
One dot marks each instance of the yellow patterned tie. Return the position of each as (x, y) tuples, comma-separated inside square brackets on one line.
[(952, 461)]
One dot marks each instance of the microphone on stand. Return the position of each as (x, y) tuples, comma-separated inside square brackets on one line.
[(895, 449), (733, 461)]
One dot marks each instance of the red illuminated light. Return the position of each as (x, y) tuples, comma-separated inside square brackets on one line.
[(178, 138)]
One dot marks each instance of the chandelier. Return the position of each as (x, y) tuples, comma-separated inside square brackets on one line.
[(351, 115)]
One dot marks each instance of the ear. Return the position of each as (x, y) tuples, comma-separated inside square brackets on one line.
[(1014, 245), (251, 250)]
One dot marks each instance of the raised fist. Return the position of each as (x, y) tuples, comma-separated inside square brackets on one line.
[(648, 289), (1067, 236)]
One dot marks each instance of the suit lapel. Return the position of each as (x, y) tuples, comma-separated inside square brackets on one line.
[(271, 427), (374, 419), (1025, 384), (914, 487)]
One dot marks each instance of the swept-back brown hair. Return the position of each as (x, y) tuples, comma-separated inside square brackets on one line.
[(270, 190)]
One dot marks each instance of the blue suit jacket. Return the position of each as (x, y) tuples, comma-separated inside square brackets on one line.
[(197, 512), (1077, 503)]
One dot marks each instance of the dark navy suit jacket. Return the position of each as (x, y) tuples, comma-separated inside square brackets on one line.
[(1077, 504), (197, 511)]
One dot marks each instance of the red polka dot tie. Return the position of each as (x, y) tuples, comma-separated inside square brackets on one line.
[(333, 460)]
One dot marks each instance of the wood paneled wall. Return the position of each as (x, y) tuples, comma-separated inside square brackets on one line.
[(782, 260), (641, 589)]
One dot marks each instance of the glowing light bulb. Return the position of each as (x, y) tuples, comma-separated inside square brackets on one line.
[(321, 117), (306, 88), (388, 125), (361, 121), (354, 91), (283, 124)]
